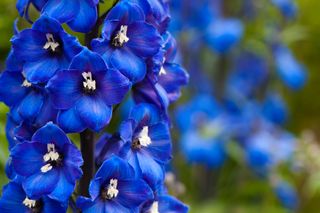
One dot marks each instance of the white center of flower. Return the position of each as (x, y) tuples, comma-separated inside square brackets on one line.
[(89, 84), (121, 38), (51, 155), (51, 43), (29, 203), (26, 83), (162, 71), (154, 208), (112, 190), (144, 139)]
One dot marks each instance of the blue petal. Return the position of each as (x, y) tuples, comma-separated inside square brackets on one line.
[(31, 105), (113, 206), (65, 88), (174, 78), (113, 86), (145, 114), (13, 63), (12, 198), (21, 6), (160, 148), (94, 112), (27, 158), (72, 162), (144, 41), (133, 193), (96, 207), (85, 18), (46, 24), (41, 184), (28, 45), (51, 133), (62, 10), (171, 204), (88, 61), (151, 170), (52, 206), (129, 64), (11, 91), (70, 121), (42, 70), (115, 167), (126, 12), (63, 189)]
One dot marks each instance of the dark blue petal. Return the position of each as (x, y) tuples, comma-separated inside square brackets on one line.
[(63, 189), (28, 45), (144, 41), (114, 206), (12, 91), (94, 112), (88, 61), (42, 70), (21, 6), (13, 63), (46, 24), (168, 203), (134, 67), (133, 193), (53, 206), (97, 207), (65, 88), (113, 86), (145, 114), (27, 158), (72, 162), (115, 167), (62, 10), (51, 133), (126, 12), (70, 121), (31, 105), (85, 18), (12, 198), (41, 184), (160, 148)]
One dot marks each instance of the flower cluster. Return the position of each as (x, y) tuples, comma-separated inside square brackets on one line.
[(54, 85), (237, 112)]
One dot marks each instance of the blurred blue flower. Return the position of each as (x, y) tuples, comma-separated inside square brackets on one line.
[(290, 71), (49, 162), (223, 34), (287, 195), (288, 8), (115, 189), (275, 109)]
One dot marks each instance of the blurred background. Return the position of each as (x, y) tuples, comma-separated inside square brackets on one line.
[(246, 130)]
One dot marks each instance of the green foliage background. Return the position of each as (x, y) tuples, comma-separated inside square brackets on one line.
[(235, 192)]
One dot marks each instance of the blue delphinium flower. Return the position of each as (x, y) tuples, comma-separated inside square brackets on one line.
[(80, 15), (223, 34), (45, 48), (127, 40), (115, 189), (14, 200), (287, 195), (275, 109), (165, 203), (290, 71), (287, 7), (49, 162), (86, 92), (147, 143)]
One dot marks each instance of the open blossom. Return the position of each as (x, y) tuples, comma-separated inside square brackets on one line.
[(115, 189), (127, 40), (49, 162), (86, 92), (14, 200), (80, 15), (45, 49)]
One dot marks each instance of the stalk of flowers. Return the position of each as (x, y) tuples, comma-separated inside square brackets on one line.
[(55, 86)]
